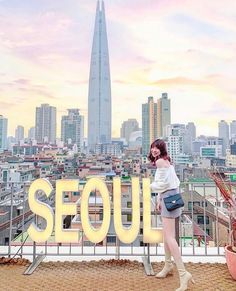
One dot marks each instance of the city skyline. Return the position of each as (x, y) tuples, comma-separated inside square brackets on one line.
[(184, 49)]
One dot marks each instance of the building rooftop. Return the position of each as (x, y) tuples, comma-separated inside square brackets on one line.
[(109, 275)]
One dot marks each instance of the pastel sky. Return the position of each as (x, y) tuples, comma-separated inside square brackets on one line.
[(186, 48)]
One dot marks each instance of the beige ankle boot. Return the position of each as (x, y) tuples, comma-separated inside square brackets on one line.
[(168, 267), (184, 276)]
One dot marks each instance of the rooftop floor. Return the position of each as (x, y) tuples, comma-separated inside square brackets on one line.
[(110, 275)]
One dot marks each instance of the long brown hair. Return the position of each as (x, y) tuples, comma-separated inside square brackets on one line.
[(161, 145)]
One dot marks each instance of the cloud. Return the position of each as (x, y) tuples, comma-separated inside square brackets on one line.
[(22, 81), (197, 27), (179, 81), (6, 105)]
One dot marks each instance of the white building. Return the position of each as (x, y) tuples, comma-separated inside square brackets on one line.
[(175, 140), (230, 160), (211, 151)]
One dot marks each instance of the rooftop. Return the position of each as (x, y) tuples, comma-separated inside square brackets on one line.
[(110, 275)]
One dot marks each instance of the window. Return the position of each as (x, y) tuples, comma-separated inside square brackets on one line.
[(200, 219), (88, 243), (129, 217), (111, 239), (194, 203), (6, 241), (203, 203), (129, 204)]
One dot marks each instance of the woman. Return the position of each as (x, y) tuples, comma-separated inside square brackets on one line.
[(166, 183)]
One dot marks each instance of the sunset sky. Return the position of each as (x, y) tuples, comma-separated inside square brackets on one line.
[(186, 48)]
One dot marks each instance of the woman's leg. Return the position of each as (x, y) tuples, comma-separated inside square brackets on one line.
[(169, 234), (168, 267), (167, 250)]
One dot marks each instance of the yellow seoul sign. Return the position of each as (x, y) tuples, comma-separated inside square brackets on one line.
[(95, 235)]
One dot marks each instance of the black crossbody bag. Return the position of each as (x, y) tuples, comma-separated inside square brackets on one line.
[(173, 202)]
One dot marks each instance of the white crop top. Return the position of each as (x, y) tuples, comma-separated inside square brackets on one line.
[(165, 179)]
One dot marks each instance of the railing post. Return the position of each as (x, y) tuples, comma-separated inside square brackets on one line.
[(117, 248), (204, 215), (148, 253), (192, 219), (23, 220), (217, 224), (10, 228), (34, 243)]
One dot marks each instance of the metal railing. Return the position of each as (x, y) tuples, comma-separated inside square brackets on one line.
[(194, 240)]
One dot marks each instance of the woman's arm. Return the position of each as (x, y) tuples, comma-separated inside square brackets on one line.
[(160, 182)]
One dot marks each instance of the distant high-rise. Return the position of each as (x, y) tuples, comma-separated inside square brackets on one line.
[(31, 133), (224, 133), (19, 133), (149, 124), (233, 129), (99, 97), (72, 128), (190, 136), (128, 127), (3, 133), (175, 144), (45, 123), (163, 115), (213, 141)]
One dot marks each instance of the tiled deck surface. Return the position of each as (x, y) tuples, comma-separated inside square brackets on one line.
[(109, 275)]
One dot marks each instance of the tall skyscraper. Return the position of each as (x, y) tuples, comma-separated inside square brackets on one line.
[(72, 128), (45, 123), (19, 133), (99, 97), (128, 127), (3, 133), (149, 124), (164, 116), (224, 133)]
